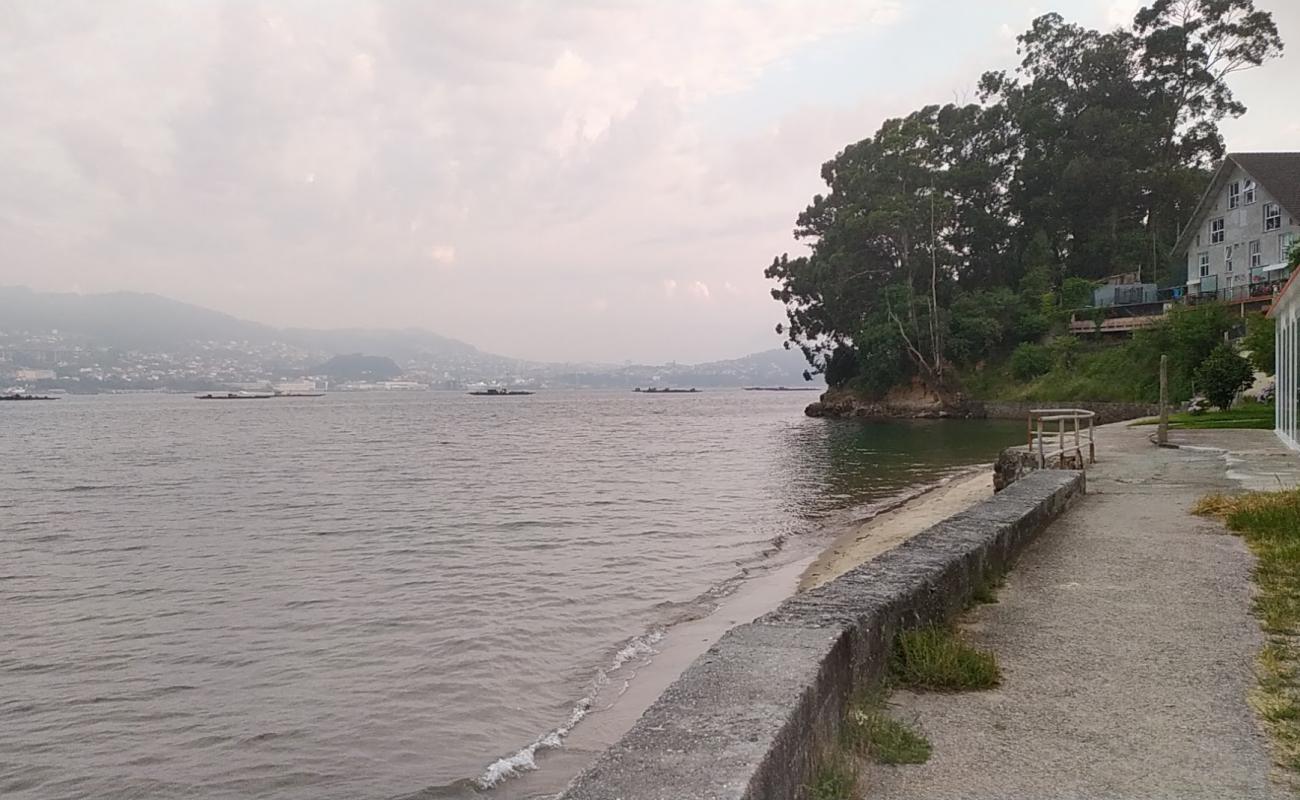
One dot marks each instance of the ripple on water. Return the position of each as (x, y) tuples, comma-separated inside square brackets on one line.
[(366, 595)]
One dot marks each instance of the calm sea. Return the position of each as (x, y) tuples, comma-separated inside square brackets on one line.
[(382, 594)]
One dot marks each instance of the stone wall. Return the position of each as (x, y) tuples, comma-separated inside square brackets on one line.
[(1015, 462), (747, 720), (839, 404), (1106, 412)]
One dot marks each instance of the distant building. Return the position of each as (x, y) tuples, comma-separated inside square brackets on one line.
[(34, 374), (1236, 243)]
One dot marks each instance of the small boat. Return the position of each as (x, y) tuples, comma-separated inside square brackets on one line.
[(279, 393), (500, 393), (234, 396), (665, 390), (20, 396)]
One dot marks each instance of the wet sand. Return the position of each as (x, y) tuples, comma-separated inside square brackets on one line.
[(897, 525)]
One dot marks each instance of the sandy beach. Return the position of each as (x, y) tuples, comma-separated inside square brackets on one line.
[(888, 529)]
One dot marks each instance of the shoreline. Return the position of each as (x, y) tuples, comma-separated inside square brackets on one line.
[(886, 525), (897, 523)]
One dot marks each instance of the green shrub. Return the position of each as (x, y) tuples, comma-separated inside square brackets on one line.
[(1261, 340), (841, 366), (1076, 293), (935, 658), (835, 778), (1065, 352), (1029, 361), (1222, 374), (870, 732)]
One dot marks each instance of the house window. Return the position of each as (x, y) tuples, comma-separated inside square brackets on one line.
[(1256, 259), (1205, 264), (1284, 244), (1227, 259), (1234, 194), (1272, 216), (1216, 229), (1248, 192)]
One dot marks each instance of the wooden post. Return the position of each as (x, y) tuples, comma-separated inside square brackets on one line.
[(1162, 432)]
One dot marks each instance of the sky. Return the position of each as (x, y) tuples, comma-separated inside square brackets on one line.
[(600, 180)]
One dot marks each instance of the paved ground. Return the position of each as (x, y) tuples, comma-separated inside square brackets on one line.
[(1126, 643)]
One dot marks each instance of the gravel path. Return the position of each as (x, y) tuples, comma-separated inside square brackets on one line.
[(1126, 643)]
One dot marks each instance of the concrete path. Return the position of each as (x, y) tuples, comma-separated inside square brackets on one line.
[(1126, 643)]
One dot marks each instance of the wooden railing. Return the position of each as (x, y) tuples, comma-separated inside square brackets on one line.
[(1068, 437)]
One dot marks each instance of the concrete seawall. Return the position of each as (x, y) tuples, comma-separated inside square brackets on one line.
[(749, 717)]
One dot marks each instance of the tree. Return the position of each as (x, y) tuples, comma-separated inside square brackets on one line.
[(909, 211), (1222, 374), (1261, 341), (1081, 164), (1187, 51), (1030, 360)]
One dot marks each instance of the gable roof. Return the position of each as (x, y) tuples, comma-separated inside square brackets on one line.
[(1279, 173), (1276, 173)]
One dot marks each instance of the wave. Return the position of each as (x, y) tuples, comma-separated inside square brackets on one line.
[(525, 759), (674, 613)]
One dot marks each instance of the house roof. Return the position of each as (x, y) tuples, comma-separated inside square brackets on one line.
[(1277, 173)]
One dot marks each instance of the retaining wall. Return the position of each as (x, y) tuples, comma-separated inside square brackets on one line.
[(1106, 412), (747, 719)]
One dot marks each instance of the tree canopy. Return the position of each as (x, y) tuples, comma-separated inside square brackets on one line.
[(958, 230)]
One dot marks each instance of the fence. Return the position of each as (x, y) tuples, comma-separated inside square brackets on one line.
[(1038, 429)]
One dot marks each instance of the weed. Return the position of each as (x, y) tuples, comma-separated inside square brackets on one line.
[(986, 590), (871, 733), (835, 778), (1270, 524), (935, 658)]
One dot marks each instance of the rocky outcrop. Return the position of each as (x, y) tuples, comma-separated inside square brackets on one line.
[(843, 404), (1012, 463), (914, 401)]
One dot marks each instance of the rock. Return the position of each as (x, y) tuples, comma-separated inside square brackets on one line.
[(1012, 464)]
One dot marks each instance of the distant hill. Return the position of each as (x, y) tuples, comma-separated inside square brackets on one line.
[(151, 323), (356, 367), (132, 320), (123, 319)]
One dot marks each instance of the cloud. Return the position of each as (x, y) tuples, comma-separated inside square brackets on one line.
[(443, 254), (441, 163)]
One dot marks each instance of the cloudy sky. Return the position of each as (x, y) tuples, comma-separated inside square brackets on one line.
[(552, 180)]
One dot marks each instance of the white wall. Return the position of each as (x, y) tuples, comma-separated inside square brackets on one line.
[(1286, 313), (1242, 225)]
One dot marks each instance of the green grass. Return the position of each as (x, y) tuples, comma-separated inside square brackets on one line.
[(835, 778), (986, 590), (1270, 524), (872, 733), (1250, 415), (935, 658)]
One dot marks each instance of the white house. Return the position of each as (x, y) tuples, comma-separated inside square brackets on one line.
[(1286, 310), (1235, 245)]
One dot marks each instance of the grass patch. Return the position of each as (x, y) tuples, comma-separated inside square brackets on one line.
[(986, 590), (935, 658), (1251, 415), (871, 733), (836, 778), (1270, 524)]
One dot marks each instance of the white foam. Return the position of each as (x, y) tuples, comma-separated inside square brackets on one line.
[(525, 759)]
